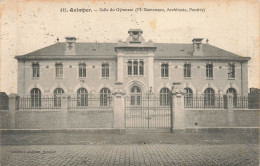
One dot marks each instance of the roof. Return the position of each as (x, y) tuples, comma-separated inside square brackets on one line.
[(107, 50)]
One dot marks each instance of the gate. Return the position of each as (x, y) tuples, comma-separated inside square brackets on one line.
[(152, 112)]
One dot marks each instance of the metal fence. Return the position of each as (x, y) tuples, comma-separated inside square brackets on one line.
[(219, 102), (39, 102), (90, 102), (240, 102), (147, 112), (204, 101)]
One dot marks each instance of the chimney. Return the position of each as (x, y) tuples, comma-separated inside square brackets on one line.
[(70, 46), (58, 39), (197, 47)]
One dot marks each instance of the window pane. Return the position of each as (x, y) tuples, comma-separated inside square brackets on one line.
[(141, 68), (36, 70), (135, 68), (105, 70), (129, 65), (164, 70), (209, 70), (138, 100), (231, 71), (187, 70), (82, 70), (132, 100), (59, 69)]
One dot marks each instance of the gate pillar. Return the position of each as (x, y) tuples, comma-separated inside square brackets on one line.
[(177, 108), (13, 105), (119, 109)]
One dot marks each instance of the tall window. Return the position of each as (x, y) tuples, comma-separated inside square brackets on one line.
[(141, 68), (136, 96), (209, 97), (209, 70), (57, 96), (164, 70), (129, 67), (105, 97), (165, 97), (105, 70), (231, 71), (36, 70), (188, 97), (82, 97), (187, 70), (135, 68), (59, 70), (35, 97), (234, 93), (82, 70)]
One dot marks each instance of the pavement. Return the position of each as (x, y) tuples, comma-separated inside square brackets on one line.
[(180, 149)]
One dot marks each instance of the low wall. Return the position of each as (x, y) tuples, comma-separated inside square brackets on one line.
[(5, 119), (207, 118), (219, 118), (36, 119), (90, 119), (58, 119), (246, 118)]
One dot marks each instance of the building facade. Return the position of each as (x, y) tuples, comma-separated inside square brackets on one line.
[(136, 66)]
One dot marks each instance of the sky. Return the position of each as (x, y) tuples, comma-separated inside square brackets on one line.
[(27, 25)]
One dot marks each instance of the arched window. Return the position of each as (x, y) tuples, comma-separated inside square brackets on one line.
[(135, 68), (165, 97), (82, 97), (35, 97), (209, 97), (234, 93), (105, 96), (136, 95), (57, 96), (141, 68), (188, 97)]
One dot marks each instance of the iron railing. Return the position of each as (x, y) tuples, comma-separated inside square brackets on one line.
[(240, 102), (204, 101), (39, 102), (90, 102)]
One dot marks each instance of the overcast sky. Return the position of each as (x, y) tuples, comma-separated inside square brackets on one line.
[(26, 26)]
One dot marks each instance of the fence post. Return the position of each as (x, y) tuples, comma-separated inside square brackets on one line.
[(119, 109), (178, 115), (230, 108), (64, 109), (13, 105)]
